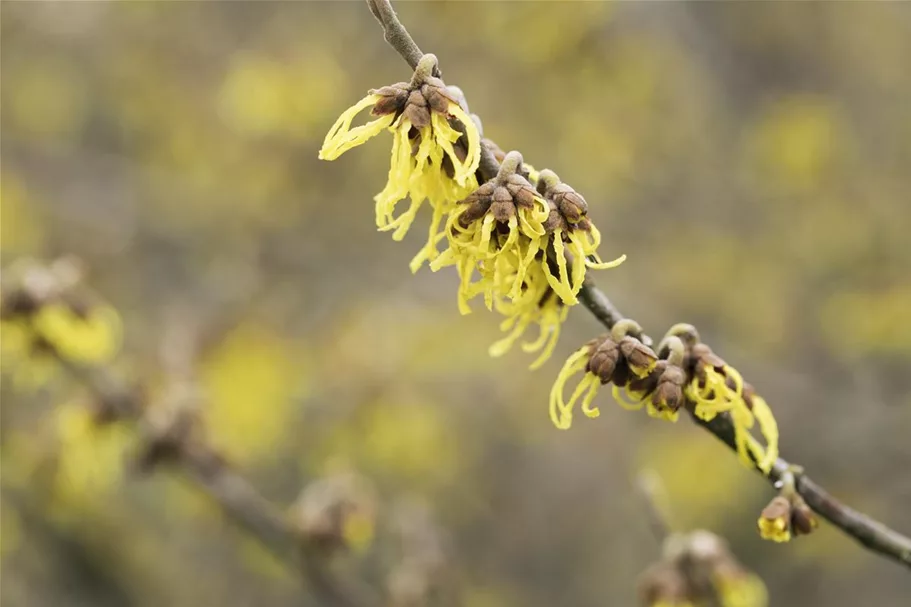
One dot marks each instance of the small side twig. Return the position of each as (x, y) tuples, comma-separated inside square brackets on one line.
[(870, 533)]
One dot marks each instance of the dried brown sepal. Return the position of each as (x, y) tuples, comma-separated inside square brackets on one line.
[(478, 203), (622, 375), (669, 392), (502, 196), (604, 359), (416, 110), (569, 204), (803, 519), (703, 356), (779, 509), (641, 358), (437, 95), (648, 383), (392, 99), (555, 221), (523, 193)]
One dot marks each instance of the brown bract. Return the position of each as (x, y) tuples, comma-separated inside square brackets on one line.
[(778, 509), (568, 209), (604, 359), (640, 358), (415, 102), (503, 197), (803, 519), (619, 362), (669, 392)]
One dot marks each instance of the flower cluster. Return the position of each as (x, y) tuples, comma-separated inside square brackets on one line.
[(683, 372), (336, 512), (786, 516), (431, 160), (521, 240), (698, 568), (46, 314)]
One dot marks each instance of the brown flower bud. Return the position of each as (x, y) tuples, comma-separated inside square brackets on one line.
[(622, 375), (522, 191), (416, 110), (775, 520), (478, 203), (669, 392), (555, 221), (648, 383), (392, 99), (503, 211), (438, 98), (603, 360), (704, 356), (571, 204), (803, 519), (641, 358)]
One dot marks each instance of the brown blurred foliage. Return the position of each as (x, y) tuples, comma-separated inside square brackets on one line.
[(172, 146)]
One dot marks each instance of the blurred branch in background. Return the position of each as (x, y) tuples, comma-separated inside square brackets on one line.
[(61, 322), (870, 533), (696, 568)]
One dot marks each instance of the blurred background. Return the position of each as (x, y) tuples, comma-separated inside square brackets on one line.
[(751, 159)]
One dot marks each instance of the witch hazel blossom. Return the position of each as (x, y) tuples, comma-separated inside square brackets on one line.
[(684, 372), (522, 240), (430, 160)]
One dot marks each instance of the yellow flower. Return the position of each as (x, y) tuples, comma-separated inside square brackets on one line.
[(617, 357), (743, 590), (90, 336), (91, 455), (561, 411), (498, 232), (717, 388), (428, 160), (775, 521), (537, 305), (774, 529), (769, 429), (571, 232)]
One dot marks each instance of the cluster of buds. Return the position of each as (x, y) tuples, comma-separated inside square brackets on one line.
[(334, 513), (698, 568), (46, 313), (522, 240), (683, 372), (787, 515)]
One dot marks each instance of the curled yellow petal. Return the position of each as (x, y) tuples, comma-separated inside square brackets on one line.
[(473, 157), (341, 137), (560, 410)]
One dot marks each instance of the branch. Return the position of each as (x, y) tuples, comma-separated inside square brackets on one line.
[(872, 534), (209, 471)]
